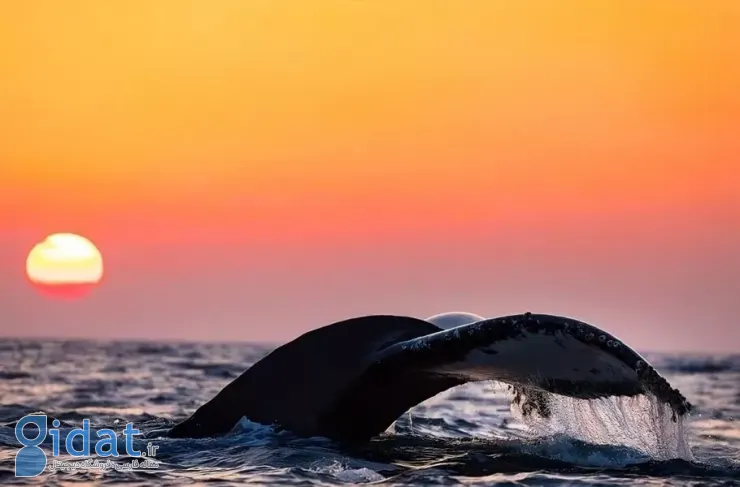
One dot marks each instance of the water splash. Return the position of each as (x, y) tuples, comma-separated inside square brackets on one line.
[(641, 423), (345, 473)]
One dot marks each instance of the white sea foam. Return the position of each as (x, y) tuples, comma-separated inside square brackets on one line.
[(345, 473), (641, 423), (256, 434)]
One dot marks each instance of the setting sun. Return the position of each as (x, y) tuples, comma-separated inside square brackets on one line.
[(64, 264)]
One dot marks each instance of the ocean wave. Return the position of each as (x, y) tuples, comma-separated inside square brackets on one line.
[(468, 434), (699, 364)]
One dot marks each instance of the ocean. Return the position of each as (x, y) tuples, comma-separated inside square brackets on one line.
[(468, 435)]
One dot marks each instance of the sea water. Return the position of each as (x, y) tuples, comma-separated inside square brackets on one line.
[(468, 435)]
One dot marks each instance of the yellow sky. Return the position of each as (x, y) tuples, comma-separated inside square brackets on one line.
[(298, 98)]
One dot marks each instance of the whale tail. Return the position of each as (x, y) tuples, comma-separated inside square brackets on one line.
[(349, 381), (296, 383)]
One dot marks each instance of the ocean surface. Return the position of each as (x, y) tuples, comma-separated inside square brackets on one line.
[(468, 435)]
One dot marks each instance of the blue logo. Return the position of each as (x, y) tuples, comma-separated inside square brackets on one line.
[(31, 460)]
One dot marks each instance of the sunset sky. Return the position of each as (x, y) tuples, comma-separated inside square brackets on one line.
[(252, 169)]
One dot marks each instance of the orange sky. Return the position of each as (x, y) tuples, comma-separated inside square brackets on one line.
[(231, 157)]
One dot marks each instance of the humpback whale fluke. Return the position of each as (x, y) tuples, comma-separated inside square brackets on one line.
[(350, 380)]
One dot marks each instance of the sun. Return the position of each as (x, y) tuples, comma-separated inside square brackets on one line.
[(64, 265)]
